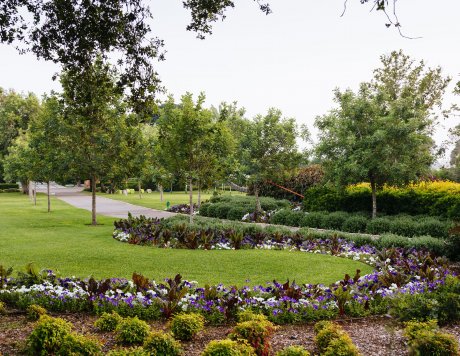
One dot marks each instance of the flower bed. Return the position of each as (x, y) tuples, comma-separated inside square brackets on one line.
[(398, 273)]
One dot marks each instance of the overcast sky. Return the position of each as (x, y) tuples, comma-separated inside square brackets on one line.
[(291, 59)]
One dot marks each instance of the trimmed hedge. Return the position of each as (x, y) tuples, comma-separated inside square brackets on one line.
[(9, 186), (402, 225), (428, 198)]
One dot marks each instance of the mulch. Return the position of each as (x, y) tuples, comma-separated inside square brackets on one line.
[(372, 335)]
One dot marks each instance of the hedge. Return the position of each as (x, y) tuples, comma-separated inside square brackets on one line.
[(4, 186), (429, 198)]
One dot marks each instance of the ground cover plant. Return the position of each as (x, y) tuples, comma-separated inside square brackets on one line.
[(62, 241)]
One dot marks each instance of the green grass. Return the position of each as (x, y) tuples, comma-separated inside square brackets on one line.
[(61, 240), (152, 200)]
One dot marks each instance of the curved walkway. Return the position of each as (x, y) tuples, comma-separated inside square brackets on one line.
[(104, 206)]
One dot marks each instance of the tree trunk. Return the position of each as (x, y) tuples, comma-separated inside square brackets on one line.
[(258, 207), (199, 195), (93, 201), (160, 188), (139, 188), (25, 187), (374, 198), (48, 193), (191, 199), (35, 193)]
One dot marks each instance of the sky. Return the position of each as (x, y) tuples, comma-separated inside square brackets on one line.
[(291, 59)]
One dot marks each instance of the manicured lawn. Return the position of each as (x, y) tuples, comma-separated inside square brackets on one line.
[(61, 240), (152, 200)]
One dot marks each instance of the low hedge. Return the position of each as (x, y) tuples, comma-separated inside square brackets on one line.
[(4, 186), (402, 225), (235, 207)]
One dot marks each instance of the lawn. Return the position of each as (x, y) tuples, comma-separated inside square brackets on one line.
[(61, 240), (153, 201)]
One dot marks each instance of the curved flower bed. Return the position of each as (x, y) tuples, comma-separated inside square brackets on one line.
[(397, 272)]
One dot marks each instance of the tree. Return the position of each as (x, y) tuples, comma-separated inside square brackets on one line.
[(190, 143), (17, 162), (382, 134), (269, 149), (95, 128), (48, 158), (16, 111)]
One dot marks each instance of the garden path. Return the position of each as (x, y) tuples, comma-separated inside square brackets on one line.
[(105, 206)]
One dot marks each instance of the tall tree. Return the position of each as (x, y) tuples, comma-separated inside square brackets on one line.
[(269, 148), (188, 137), (16, 111), (382, 134), (95, 126)]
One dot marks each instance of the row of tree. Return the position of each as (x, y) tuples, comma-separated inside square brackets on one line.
[(381, 134)]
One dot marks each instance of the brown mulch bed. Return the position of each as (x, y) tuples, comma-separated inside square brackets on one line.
[(372, 335)]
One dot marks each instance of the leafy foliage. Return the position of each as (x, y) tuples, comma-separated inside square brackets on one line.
[(185, 326), (131, 331), (162, 344)]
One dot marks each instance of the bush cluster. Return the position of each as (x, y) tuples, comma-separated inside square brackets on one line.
[(424, 338), (256, 333), (108, 321), (162, 344), (34, 312), (132, 331), (228, 348), (185, 326), (235, 207), (293, 351), (428, 198), (332, 340), (442, 304), (402, 225)]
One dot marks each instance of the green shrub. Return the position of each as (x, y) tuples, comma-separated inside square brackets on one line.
[(237, 213), (133, 351), (294, 218), (323, 324), (2, 308), (378, 226), (47, 335), (228, 348), (313, 220), (131, 331), (256, 333), (355, 224), (413, 328), (204, 209), (222, 210), (435, 245), (326, 334), (453, 244), (9, 186), (280, 217), (341, 346), (433, 227), (212, 210), (404, 226), (293, 351), (185, 326), (334, 221), (391, 240), (162, 344), (108, 321), (420, 307), (34, 312), (428, 343), (248, 315), (74, 344)]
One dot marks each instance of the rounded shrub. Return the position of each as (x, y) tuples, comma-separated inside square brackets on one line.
[(435, 245), (108, 321), (48, 335), (74, 344), (34, 312), (335, 220), (313, 220), (236, 213), (228, 348), (323, 324), (204, 209), (293, 351), (378, 226), (131, 331), (294, 218), (433, 227), (280, 217), (404, 226), (413, 328), (2, 308), (185, 326), (355, 223), (256, 333), (391, 240), (162, 344), (222, 210), (341, 346), (427, 343), (212, 210), (248, 315)]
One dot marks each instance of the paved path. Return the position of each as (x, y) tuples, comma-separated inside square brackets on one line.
[(104, 206)]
